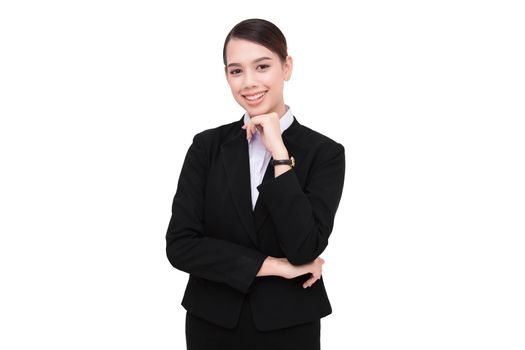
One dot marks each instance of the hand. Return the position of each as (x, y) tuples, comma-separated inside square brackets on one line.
[(316, 268), (291, 271), (269, 128)]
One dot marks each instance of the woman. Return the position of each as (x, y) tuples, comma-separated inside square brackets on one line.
[(254, 207)]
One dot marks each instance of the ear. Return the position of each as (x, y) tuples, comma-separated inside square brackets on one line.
[(288, 67)]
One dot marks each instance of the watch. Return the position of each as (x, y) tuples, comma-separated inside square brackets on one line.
[(290, 161)]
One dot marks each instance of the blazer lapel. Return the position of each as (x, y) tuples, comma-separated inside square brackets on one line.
[(260, 212), (235, 157)]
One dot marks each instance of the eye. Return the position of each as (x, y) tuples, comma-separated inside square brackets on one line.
[(264, 65), (233, 71)]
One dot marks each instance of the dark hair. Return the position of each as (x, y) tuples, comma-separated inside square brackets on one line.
[(259, 31)]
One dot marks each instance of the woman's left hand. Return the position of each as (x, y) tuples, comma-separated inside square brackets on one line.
[(287, 270), (269, 128)]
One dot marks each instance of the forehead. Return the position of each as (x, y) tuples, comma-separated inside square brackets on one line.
[(244, 51)]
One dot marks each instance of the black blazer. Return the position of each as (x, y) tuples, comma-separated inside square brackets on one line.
[(214, 235)]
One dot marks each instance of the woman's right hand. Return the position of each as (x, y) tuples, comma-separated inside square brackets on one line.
[(291, 271)]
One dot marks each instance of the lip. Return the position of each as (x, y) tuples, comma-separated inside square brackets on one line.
[(257, 102), (255, 93)]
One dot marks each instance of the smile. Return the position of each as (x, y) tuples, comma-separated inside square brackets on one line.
[(256, 97)]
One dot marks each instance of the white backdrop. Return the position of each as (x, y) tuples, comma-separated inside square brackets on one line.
[(99, 101)]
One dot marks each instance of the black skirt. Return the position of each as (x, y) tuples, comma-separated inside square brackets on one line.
[(204, 335)]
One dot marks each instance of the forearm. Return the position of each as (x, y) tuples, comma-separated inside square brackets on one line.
[(281, 267), (281, 153), (213, 259), (270, 267), (304, 211)]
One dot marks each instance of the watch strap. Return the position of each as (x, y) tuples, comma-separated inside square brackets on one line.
[(290, 161)]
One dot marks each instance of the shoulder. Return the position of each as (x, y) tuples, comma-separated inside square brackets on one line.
[(318, 145), (219, 132), (210, 140), (319, 139)]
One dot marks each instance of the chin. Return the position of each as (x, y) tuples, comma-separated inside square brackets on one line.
[(256, 110)]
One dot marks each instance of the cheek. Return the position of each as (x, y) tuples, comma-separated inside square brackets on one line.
[(272, 80), (234, 88)]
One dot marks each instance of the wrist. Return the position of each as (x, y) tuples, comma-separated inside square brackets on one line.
[(285, 269), (270, 267), (278, 267), (280, 153), (281, 169)]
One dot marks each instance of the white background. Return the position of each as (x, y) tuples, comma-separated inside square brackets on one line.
[(99, 101)]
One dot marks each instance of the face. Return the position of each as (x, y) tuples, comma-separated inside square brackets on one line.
[(256, 77)]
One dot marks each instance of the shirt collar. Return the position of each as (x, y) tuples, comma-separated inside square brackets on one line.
[(285, 121)]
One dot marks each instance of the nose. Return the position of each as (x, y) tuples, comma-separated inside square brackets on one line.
[(250, 80)]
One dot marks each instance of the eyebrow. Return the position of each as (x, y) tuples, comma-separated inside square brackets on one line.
[(254, 61)]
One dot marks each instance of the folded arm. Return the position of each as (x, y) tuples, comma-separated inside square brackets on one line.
[(188, 249), (304, 218)]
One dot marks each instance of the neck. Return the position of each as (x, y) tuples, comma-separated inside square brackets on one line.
[(280, 110)]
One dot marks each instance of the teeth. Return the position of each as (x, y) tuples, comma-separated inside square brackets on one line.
[(255, 97)]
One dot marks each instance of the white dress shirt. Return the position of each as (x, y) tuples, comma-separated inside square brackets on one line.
[(259, 155)]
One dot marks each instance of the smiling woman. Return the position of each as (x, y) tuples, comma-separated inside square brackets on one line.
[(256, 65), (254, 208)]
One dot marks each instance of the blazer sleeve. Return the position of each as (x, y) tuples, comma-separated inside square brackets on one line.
[(188, 249), (304, 219)]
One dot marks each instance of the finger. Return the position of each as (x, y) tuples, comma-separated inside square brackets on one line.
[(245, 127), (258, 122), (261, 117), (256, 119), (310, 282), (249, 130)]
